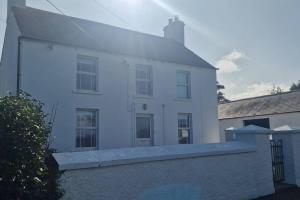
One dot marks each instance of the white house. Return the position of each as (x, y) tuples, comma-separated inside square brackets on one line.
[(110, 87), (271, 111)]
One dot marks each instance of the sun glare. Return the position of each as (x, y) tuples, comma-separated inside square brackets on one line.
[(132, 1)]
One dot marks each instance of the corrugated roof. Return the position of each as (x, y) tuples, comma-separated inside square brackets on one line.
[(43, 25), (265, 105)]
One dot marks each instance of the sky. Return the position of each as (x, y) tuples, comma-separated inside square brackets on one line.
[(254, 43)]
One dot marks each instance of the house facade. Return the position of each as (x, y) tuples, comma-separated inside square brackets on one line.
[(271, 111), (109, 87)]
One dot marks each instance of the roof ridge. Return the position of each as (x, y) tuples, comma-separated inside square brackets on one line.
[(128, 42), (263, 96), (101, 23)]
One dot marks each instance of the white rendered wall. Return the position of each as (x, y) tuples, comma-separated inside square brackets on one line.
[(243, 175), (9, 59), (290, 119), (49, 72)]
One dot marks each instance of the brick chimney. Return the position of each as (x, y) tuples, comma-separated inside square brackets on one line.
[(11, 3), (175, 30)]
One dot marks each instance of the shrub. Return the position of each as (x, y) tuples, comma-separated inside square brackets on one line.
[(27, 169)]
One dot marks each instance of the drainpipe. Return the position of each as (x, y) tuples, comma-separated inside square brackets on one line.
[(163, 124), (19, 66)]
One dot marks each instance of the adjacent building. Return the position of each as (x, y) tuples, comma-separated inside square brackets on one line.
[(271, 111)]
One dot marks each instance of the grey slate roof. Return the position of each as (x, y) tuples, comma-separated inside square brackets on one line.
[(47, 26), (265, 105)]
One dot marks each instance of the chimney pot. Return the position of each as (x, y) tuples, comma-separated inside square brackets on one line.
[(11, 3), (176, 18), (175, 30)]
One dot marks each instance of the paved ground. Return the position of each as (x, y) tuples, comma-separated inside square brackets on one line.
[(285, 194)]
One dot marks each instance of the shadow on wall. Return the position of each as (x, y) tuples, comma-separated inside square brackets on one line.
[(172, 192)]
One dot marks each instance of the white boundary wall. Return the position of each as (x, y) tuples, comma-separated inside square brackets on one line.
[(235, 170)]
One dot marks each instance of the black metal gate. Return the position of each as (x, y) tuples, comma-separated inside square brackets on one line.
[(277, 161)]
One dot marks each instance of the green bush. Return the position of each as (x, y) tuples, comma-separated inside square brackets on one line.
[(27, 168)]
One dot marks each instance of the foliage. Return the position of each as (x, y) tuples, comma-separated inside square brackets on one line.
[(27, 169), (295, 86), (222, 98), (221, 95), (276, 90)]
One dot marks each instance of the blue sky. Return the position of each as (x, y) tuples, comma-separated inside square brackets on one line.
[(255, 43)]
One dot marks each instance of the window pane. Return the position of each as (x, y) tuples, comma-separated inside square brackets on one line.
[(143, 127), (143, 88), (86, 138), (78, 138), (182, 78), (93, 82), (183, 121), (144, 80), (140, 74), (182, 91), (184, 136), (86, 128), (85, 81), (87, 64), (184, 128), (87, 74), (93, 138)]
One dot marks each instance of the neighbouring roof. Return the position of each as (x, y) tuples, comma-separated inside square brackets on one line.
[(252, 129), (47, 26), (287, 102)]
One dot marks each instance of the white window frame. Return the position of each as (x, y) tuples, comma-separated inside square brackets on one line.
[(95, 128), (149, 81), (96, 73), (189, 128), (187, 85)]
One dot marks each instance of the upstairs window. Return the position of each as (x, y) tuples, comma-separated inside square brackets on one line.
[(87, 68), (144, 81), (183, 84), (86, 129)]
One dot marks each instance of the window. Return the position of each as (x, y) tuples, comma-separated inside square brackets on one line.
[(183, 84), (264, 122), (184, 128), (144, 81), (86, 130), (87, 68), (143, 127)]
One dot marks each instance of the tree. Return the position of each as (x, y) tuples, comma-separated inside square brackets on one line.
[(27, 168), (276, 90), (221, 95), (295, 86)]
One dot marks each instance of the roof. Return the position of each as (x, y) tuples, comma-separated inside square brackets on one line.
[(287, 102), (52, 27)]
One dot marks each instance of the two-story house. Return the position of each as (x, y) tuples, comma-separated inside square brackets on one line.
[(110, 87)]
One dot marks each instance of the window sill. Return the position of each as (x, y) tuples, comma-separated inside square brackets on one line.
[(143, 97), (184, 99), (85, 149), (86, 92)]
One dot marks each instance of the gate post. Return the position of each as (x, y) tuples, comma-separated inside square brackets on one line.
[(260, 138), (291, 151)]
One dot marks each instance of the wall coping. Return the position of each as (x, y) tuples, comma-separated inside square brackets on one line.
[(250, 129), (104, 158)]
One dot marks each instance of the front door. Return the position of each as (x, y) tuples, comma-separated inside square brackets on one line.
[(144, 132)]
